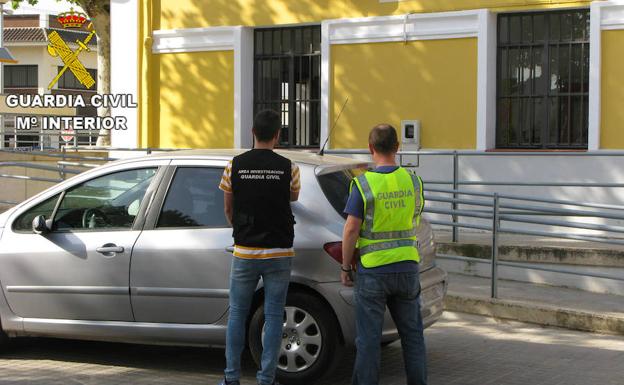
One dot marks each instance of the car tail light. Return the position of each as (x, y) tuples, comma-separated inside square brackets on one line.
[(334, 249)]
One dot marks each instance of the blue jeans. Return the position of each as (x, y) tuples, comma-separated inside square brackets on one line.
[(400, 292), (244, 279)]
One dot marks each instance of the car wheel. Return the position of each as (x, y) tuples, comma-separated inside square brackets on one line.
[(310, 339)]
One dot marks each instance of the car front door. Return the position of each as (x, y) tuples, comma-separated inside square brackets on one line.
[(79, 269), (180, 267)]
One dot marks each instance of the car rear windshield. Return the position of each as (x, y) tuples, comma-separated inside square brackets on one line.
[(335, 186)]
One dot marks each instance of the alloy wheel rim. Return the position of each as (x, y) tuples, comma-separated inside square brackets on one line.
[(301, 341)]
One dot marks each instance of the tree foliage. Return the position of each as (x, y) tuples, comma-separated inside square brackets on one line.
[(93, 8)]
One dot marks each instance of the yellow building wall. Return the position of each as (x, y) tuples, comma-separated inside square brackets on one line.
[(612, 89), (193, 106), (196, 13), (196, 100), (434, 81)]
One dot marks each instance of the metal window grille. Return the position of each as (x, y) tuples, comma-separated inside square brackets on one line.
[(287, 78), (543, 80)]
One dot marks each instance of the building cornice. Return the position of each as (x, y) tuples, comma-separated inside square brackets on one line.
[(194, 39)]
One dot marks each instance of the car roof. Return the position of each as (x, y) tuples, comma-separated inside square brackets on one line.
[(304, 157)]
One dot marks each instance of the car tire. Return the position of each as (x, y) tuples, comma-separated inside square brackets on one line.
[(318, 336), (4, 340)]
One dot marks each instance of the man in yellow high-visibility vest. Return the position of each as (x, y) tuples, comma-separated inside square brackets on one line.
[(383, 213)]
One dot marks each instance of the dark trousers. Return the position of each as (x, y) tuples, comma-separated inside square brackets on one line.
[(400, 292)]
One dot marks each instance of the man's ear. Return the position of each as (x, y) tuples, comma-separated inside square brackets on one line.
[(371, 149), (277, 135)]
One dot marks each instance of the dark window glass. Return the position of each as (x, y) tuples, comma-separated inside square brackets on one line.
[(20, 76), (68, 80), (45, 208), (335, 186), (287, 78), (194, 199), (514, 29), (543, 78), (539, 30), (108, 202)]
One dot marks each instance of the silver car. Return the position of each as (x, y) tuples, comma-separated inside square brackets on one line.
[(139, 251)]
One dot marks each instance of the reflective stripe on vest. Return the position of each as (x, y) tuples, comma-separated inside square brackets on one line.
[(395, 192), (386, 245)]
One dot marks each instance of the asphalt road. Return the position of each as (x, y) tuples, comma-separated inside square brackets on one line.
[(463, 350)]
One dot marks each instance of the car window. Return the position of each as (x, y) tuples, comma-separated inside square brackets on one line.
[(194, 199), (107, 202), (335, 186), (45, 208)]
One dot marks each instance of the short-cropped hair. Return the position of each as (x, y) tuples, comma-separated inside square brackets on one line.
[(266, 124), (383, 137)]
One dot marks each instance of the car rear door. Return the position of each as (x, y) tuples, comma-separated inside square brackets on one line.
[(180, 267), (80, 269)]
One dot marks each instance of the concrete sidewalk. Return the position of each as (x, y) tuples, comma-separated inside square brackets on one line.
[(539, 304)]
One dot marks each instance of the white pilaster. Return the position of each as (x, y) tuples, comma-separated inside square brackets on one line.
[(243, 87), (124, 67), (486, 81)]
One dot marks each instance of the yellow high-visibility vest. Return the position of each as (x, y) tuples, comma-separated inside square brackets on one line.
[(393, 203)]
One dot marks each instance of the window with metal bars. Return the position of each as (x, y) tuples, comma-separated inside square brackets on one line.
[(543, 80), (287, 78)]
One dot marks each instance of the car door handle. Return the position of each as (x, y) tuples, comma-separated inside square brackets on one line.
[(110, 249), (230, 249)]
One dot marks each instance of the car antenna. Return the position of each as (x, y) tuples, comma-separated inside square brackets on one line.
[(322, 152)]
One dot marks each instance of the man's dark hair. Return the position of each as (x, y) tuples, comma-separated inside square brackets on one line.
[(266, 124), (383, 138)]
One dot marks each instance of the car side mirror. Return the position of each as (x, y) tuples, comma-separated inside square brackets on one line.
[(40, 225)]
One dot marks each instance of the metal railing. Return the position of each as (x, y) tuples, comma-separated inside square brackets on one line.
[(64, 163), (497, 221), (68, 157), (497, 213), (457, 155)]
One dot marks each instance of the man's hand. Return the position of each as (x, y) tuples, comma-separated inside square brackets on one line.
[(347, 278), (349, 238)]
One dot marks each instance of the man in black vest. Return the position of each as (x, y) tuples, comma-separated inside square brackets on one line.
[(258, 187)]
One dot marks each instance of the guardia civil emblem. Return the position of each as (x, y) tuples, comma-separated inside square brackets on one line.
[(58, 47)]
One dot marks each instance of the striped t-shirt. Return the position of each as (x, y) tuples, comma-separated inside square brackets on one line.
[(259, 252)]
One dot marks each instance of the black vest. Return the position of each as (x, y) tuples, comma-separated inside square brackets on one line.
[(261, 186)]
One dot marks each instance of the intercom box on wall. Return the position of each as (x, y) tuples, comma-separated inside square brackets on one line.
[(410, 141)]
